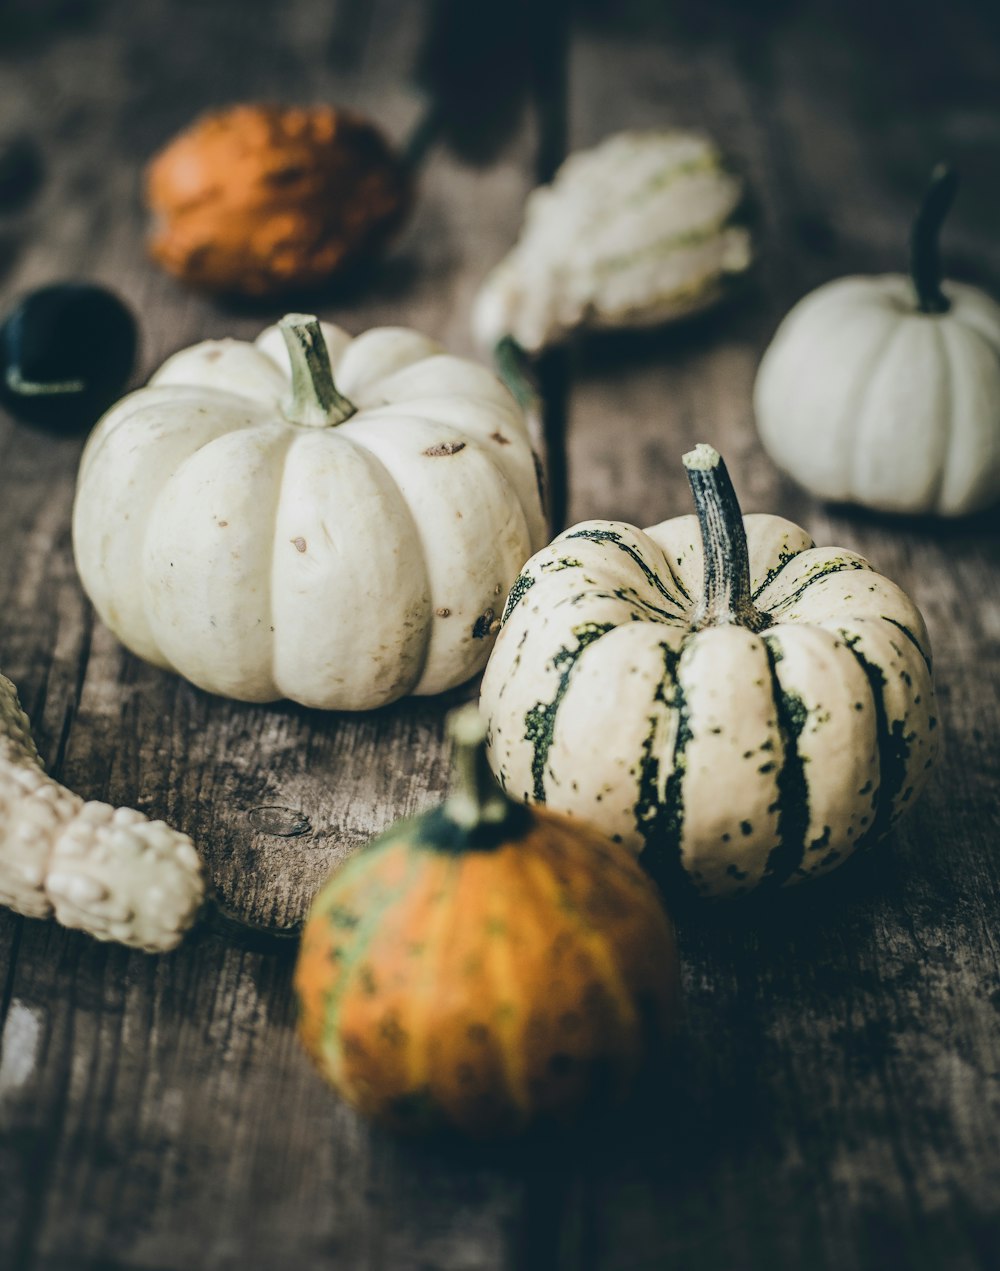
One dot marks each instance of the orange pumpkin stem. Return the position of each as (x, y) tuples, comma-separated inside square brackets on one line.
[(475, 797)]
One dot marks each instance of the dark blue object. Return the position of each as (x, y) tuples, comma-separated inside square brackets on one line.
[(66, 352)]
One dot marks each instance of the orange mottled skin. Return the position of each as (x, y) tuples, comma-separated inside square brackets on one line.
[(258, 200), (483, 990)]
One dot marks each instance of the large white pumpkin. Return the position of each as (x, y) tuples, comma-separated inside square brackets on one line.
[(741, 707), (885, 391), (269, 532)]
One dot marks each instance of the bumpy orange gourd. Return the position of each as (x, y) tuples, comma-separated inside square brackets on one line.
[(486, 965), (258, 200)]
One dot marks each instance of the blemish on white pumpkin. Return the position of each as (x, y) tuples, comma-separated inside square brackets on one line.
[(499, 438), (443, 613), (486, 624), (223, 524), (299, 543), (444, 448)]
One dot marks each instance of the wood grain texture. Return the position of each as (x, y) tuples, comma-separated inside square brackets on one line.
[(839, 1073), (160, 1113), (834, 1098)]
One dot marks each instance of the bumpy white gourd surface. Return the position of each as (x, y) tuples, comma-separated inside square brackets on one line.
[(642, 229), (341, 566), (108, 871), (862, 398), (728, 759)]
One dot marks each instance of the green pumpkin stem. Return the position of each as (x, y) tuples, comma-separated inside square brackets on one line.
[(314, 400), (475, 797), (925, 247), (726, 598), (540, 392), (512, 366)]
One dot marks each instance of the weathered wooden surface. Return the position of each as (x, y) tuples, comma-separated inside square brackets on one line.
[(834, 1098)]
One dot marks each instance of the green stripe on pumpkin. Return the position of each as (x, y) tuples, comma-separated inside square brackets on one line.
[(785, 557), (645, 610), (362, 927), (663, 180), (661, 249), (893, 749), (912, 639), (659, 181), (660, 821), (652, 577), (522, 584), (540, 720), (832, 567), (793, 789)]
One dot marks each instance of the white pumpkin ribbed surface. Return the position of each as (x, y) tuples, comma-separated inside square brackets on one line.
[(342, 566), (863, 398), (728, 757)]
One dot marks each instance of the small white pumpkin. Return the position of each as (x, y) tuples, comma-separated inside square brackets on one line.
[(739, 706), (885, 391), (269, 537), (108, 871), (643, 229)]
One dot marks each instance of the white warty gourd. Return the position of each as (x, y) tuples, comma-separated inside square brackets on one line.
[(108, 871)]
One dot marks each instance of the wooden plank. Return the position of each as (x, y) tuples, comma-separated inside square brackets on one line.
[(833, 1096), (833, 1101), (158, 1113)]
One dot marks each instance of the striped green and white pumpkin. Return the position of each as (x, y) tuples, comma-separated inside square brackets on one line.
[(642, 229), (739, 706)]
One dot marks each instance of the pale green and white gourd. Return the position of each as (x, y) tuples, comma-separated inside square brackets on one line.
[(885, 391), (269, 531), (645, 228), (108, 871), (737, 705)]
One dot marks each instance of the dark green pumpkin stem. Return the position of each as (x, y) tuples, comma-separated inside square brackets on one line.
[(726, 598), (512, 366), (540, 391), (315, 401), (475, 797), (925, 247)]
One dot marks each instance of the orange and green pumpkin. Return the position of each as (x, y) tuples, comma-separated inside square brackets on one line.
[(486, 965)]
